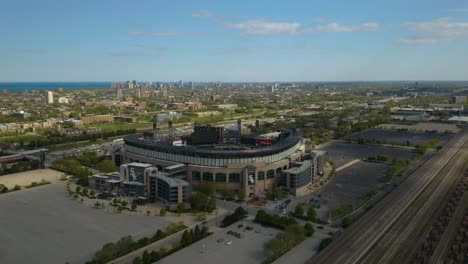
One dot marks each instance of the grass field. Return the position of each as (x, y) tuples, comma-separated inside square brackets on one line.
[(121, 126)]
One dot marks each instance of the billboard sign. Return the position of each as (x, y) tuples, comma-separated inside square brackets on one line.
[(136, 174)]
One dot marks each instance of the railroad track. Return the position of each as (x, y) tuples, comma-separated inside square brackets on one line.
[(403, 239), (357, 241)]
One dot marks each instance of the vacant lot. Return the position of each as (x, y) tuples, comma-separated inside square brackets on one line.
[(43, 225), (27, 177), (400, 137)]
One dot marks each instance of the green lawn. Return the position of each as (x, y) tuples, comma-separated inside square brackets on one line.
[(121, 126)]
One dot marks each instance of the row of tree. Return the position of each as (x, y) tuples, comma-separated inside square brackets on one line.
[(299, 213), (188, 238), (239, 214), (73, 167), (126, 244), (274, 220), (192, 236)]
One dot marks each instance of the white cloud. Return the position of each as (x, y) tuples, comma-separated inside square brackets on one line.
[(419, 41), (167, 33), (266, 27), (203, 13), (436, 31), (335, 27)]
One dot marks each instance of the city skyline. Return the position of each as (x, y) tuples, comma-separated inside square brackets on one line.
[(241, 41)]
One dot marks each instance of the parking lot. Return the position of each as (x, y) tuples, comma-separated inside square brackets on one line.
[(222, 247), (353, 182), (44, 225), (348, 186), (400, 137), (342, 152)]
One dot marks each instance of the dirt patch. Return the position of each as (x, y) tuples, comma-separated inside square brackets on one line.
[(27, 177)]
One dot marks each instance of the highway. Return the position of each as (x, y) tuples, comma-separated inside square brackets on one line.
[(380, 234)]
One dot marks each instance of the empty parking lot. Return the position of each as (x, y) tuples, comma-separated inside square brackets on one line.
[(246, 250), (354, 182), (400, 137), (44, 225)]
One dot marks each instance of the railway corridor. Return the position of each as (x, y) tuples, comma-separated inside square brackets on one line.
[(399, 219)]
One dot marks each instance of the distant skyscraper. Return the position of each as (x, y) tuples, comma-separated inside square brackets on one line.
[(119, 92), (181, 83), (269, 89), (164, 92), (143, 91), (136, 91), (49, 97), (5, 91)]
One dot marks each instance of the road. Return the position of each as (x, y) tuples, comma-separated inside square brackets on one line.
[(362, 237)]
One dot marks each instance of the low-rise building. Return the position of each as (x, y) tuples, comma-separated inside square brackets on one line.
[(93, 119)]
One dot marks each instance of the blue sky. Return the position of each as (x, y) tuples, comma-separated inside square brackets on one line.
[(329, 40)]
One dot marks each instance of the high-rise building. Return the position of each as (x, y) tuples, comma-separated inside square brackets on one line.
[(164, 92), (49, 97), (136, 91), (270, 89), (181, 83), (5, 91), (143, 91), (119, 92)]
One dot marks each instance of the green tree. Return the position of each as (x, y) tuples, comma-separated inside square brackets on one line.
[(204, 232), (106, 166), (159, 234), (180, 208), (146, 258), (208, 188), (241, 196), (84, 191), (324, 243), (92, 193), (308, 229), (124, 203), (137, 260), (185, 239), (276, 246), (3, 188), (347, 221), (299, 211), (311, 214), (78, 189), (199, 201), (197, 233), (211, 204), (163, 212), (201, 216), (163, 251), (134, 207)]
